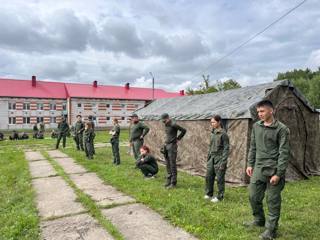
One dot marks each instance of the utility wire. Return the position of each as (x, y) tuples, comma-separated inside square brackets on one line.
[(249, 39)]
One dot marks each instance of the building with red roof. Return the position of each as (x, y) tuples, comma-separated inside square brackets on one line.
[(24, 103)]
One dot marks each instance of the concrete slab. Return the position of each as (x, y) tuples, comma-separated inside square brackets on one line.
[(137, 222), (103, 194), (55, 198), (57, 154), (77, 227), (70, 166), (41, 168), (34, 156)]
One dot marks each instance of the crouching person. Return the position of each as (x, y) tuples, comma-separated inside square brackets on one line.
[(147, 163), (88, 136)]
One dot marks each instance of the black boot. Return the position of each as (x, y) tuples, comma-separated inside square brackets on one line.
[(268, 235)]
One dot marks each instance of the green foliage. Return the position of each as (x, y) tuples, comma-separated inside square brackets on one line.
[(18, 213), (307, 81), (205, 86)]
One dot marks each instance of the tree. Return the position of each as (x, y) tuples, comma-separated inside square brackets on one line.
[(205, 86)]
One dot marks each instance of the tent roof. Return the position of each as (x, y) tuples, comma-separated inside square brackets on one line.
[(230, 104)]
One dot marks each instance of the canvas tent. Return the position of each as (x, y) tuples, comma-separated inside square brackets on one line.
[(237, 108)]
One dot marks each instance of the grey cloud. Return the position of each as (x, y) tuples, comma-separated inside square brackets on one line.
[(54, 68)]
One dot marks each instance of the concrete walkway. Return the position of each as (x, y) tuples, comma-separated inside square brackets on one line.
[(133, 220)]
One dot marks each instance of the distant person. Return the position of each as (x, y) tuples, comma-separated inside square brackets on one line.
[(42, 127), (1, 136), (217, 160), (63, 129), (147, 163), (88, 138), (24, 136), (267, 163), (90, 119), (78, 133), (14, 135), (138, 131), (54, 134), (115, 134), (40, 135), (171, 148), (35, 130)]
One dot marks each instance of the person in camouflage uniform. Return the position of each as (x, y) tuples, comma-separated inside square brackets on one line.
[(90, 119), (267, 164), (78, 133), (147, 163), (138, 131), (217, 160), (115, 134), (170, 149), (88, 137), (63, 130)]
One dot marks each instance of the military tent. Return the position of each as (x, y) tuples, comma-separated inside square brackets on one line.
[(237, 108)]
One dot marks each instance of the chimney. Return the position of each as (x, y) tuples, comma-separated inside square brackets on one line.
[(34, 81), (95, 83), (181, 92), (127, 86)]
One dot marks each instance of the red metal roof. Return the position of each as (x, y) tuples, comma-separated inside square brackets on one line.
[(24, 88), (43, 89)]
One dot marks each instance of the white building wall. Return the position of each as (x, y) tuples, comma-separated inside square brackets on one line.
[(3, 113)]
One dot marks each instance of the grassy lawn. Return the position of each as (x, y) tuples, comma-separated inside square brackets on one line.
[(18, 213), (185, 207)]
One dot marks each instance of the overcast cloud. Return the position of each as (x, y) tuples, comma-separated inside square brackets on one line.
[(116, 42)]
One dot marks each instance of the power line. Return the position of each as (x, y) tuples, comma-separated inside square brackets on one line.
[(249, 39)]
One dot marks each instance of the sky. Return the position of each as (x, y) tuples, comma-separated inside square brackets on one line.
[(115, 42)]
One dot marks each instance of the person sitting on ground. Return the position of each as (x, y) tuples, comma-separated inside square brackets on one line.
[(40, 135), (24, 136), (14, 135), (54, 134), (147, 163)]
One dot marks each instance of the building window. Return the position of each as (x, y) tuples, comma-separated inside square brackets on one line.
[(94, 105), (39, 119), (108, 105), (26, 120), (26, 106), (40, 106), (79, 105), (123, 118), (53, 106), (64, 106), (123, 105), (108, 118), (12, 120), (53, 120), (12, 106)]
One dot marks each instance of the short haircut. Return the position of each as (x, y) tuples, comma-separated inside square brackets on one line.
[(216, 117), (265, 103), (78, 115), (115, 120), (146, 148)]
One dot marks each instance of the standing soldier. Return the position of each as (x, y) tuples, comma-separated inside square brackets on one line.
[(171, 148), (42, 127), (78, 133), (138, 132), (35, 131), (88, 137), (63, 129), (115, 133), (217, 160), (267, 163), (90, 119)]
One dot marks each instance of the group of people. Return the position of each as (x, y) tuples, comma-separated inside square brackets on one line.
[(267, 162), (267, 159), (38, 130)]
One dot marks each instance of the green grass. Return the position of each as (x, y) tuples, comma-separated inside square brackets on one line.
[(18, 213), (186, 208), (86, 201)]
